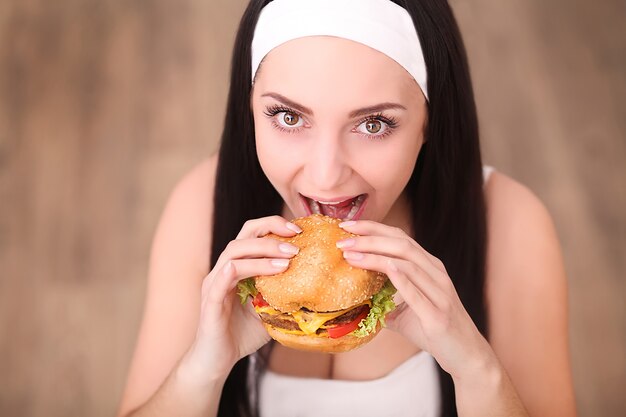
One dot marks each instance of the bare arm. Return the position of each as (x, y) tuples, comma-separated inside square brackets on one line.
[(526, 286), (527, 305), (194, 328), (526, 294), (183, 394), (179, 261)]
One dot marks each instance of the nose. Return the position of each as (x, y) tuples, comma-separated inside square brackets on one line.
[(327, 166)]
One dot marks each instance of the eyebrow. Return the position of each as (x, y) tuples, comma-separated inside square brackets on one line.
[(355, 113)]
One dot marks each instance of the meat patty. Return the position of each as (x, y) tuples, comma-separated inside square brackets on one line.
[(348, 316), (282, 321), (287, 322)]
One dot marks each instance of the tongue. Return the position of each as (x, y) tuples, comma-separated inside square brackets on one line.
[(338, 211)]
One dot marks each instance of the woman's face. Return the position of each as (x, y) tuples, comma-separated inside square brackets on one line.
[(335, 120)]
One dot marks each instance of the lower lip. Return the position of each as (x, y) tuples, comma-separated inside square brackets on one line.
[(357, 215)]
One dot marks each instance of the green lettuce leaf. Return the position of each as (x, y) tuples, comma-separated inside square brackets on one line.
[(382, 303), (246, 288)]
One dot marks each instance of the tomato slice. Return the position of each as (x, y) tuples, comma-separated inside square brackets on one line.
[(259, 301), (344, 329)]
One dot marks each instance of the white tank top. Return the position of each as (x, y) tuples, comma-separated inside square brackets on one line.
[(411, 389)]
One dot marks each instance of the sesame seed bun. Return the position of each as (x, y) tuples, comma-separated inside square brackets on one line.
[(318, 277)]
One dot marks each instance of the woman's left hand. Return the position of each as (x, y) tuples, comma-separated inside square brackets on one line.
[(431, 314)]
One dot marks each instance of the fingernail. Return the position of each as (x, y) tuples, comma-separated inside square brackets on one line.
[(288, 248), (347, 224), (293, 227), (346, 243), (280, 263), (353, 255)]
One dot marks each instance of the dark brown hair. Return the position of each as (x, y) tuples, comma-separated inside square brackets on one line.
[(445, 190)]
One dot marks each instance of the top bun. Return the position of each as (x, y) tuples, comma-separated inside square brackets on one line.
[(318, 277)]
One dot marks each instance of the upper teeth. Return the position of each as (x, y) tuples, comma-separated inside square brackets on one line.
[(331, 203), (356, 204)]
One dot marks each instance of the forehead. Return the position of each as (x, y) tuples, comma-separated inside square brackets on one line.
[(318, 68)]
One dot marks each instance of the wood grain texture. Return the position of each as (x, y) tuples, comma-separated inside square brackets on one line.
[(104, 105)]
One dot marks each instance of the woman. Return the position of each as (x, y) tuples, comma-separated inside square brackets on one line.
[(329, 101)]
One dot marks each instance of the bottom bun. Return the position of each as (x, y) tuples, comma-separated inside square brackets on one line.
[(317, 343)]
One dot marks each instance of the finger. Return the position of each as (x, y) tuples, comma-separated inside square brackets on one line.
[(401, 248), (411, 294), (369, 227), (264, 225), (234, 271), (256, 248), (415, 275)]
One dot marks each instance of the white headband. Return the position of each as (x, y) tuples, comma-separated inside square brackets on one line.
[(379, 24)]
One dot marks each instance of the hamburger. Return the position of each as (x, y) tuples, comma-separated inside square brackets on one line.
[(320, 302)]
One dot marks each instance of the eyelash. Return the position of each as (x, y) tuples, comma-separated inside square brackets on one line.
[(391, 122)]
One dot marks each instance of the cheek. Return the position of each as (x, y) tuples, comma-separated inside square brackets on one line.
[(277, 165), (389, 169)]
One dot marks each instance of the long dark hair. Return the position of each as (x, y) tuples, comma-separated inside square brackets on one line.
[(445, 190)]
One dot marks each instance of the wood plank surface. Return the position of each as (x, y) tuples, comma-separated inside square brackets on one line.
[(105, 104)]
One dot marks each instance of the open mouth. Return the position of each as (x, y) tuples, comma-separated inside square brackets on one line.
[(349, 209)]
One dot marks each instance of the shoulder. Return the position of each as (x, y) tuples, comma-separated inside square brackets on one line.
[(194, 184), (523, 246), (185, 225), (525, 271), (518, 223)]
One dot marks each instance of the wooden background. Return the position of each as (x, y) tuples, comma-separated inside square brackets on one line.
[(104, 105)]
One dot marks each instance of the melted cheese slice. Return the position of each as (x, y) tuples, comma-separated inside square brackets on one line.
[(308, 321), (268, 310)]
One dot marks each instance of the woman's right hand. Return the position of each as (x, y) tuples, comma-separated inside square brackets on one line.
[(228, 331)]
